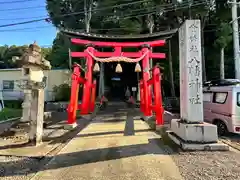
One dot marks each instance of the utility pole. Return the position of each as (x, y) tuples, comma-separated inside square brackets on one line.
[(235, 38)]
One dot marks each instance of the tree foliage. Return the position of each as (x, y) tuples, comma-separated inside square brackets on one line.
[(7, 54), (224, 35), (59, 54), (137, 17)]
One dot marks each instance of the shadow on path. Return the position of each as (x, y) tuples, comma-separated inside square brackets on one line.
[(129, 124), (113, 133), (82, 123), (91, 156), (94, 155)]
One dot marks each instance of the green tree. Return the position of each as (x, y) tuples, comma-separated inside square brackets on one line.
[(80, 10), (46, 52), (224, 37), (59, 54), (7, 53)]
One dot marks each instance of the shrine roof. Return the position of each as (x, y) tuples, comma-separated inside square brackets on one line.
[(120, 38)]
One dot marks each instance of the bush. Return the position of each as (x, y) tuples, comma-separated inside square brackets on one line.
[(15, 104), (62, 92)]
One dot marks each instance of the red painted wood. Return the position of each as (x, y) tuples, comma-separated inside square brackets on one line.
[(150, 82), (124, 54), (119, 44), (86, 98), (146, 88), (158, 107), (93, 96), (73, 105), (142, 106)]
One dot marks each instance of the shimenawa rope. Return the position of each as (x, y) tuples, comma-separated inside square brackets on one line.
[(117, 59)]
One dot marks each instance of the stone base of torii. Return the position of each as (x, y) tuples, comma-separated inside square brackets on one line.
[(190, 131)]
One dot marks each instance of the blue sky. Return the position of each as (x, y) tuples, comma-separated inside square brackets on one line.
[(42, 32)]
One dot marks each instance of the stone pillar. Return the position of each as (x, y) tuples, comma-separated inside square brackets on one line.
[(191, 72), (37, 111), (26, 105), (191, 132)]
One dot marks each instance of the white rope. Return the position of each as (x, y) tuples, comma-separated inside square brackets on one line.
[(117, 58)]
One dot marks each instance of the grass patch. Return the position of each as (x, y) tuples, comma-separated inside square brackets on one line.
[(8, 113), (13, 104)]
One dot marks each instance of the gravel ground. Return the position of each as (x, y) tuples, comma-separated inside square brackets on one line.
[(192, 166), (208, 165), (16, 168), (23, 168)]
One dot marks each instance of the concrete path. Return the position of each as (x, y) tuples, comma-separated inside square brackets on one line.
[(115, 146)]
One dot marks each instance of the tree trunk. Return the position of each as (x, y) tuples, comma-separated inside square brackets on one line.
[(150, 24), (88, 14), (189, 9), (171, 68), (222, 75)]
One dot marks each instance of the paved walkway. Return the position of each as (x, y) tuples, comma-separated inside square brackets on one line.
[(115, 146)]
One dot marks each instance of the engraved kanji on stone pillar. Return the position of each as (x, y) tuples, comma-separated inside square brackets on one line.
[(190, 71)]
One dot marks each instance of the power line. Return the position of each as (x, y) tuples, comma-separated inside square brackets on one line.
[(167, 10), (32, 18), (17, 1), (170, 8), (106, 20), (37, 27), (22, 18), (19, 9), (125, 17), (70, 14), (4, 19), (20, 23)]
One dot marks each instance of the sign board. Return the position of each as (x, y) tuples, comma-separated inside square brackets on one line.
[(134, 89)]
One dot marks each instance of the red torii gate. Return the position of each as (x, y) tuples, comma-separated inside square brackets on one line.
[(88, 98)]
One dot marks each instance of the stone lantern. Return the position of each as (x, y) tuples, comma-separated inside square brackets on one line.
[(33, 83)]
